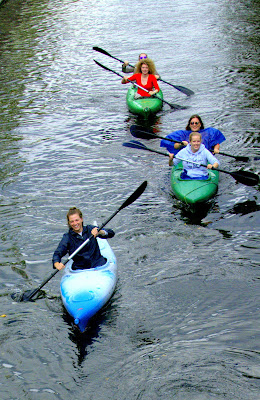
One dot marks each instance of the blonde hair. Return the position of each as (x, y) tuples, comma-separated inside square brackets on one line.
[(149, 63), (195, 134)]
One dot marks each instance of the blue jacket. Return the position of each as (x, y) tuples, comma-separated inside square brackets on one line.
[(210, 137), (89, 256), (202, 156)]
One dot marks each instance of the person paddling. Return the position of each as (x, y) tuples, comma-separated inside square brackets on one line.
[(211, 137), (89, 256), (127, 69), (144, 77), (195, 151)]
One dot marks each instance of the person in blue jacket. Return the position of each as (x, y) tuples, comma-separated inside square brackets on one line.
[(211, 137), (89, 256), (194, 152)]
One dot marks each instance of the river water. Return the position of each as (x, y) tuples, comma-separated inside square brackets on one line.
[(184, 320)]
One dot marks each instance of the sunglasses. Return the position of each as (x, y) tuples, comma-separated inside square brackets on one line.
[(141, 58), (194, 123)]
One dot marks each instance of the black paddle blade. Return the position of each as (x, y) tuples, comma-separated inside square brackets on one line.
[(184, 90), (139, 132), (29, 294), (26, 296), (134, 144), (96, 48), (241, 158), (134, 196), (245, 177), (108, 69), (238, 158), (142, 133), (106, 53)]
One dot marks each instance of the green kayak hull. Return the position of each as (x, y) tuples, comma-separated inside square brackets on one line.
[(144, 106), (192, 191)]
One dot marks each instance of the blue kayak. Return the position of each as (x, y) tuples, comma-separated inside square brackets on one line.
[(85, 292)]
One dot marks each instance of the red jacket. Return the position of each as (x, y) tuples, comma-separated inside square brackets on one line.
[(151, 84)]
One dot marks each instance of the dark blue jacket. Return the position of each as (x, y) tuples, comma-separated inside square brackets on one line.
[(89, 256)]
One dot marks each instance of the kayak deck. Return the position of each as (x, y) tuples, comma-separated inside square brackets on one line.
[(144, 106), (192, 191), (85, 292)]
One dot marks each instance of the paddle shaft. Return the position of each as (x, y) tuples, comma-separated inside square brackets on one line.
[(134, 129), (134, 196), (137, 145), (182, 89), (238, 158), (136, 84), (33, 293), (244, 177), (109, 55)]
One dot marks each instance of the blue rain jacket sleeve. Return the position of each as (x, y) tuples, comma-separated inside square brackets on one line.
[(211, 137), (177, 135)]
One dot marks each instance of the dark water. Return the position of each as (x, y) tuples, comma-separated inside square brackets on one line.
[(184, 321)]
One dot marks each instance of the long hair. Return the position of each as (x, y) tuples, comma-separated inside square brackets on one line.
[(194, 116), (149, 63), (72, 211)]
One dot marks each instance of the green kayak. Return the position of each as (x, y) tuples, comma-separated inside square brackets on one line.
[(192, 191), (144, 106)]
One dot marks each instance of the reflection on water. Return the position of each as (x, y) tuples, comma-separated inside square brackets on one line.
[(246, 207)]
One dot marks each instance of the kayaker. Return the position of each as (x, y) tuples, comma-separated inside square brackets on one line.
[(211, 137), (89, 256), (144, 77), (195, 151), (127, 69)]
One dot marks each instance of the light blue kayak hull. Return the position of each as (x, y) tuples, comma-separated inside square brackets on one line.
[(85, 292)]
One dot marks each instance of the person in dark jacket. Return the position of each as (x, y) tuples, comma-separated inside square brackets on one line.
[(89, 256)]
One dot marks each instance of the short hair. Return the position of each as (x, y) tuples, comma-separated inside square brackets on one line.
[(72, 211), (194, 116), (195, 134)]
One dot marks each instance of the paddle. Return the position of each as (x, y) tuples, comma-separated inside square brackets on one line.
[(244, 177), (175, 106), (28, 295), (139, 133), (182, 89), (148, 134), (138, 145), (238, 158)]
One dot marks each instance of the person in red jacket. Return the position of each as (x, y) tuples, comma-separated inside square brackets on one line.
[(127, 69), (144, 77)]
